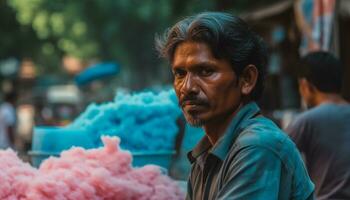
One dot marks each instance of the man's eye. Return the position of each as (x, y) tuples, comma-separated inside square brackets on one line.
[(178, 73), (206, 72)]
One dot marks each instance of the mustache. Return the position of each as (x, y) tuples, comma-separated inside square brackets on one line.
[(192, 100)]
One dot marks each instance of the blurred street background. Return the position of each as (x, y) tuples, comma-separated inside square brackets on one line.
[(59, 56)]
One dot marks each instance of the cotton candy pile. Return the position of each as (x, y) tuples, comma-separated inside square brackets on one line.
[(96, 174), (144, 121)]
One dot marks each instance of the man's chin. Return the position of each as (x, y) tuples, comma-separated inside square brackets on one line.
[(195, 122)]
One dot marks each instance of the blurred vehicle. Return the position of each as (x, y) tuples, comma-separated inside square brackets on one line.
[(63, 104)]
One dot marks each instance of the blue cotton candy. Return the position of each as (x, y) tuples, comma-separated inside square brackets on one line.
[(144, 121)]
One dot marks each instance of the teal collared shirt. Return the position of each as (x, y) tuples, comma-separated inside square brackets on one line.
[(254, 160)]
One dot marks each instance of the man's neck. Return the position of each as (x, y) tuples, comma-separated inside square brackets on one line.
[(330, 98), (216, 129)]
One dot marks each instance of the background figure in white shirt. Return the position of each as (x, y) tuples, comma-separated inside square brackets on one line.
[(7, 120)]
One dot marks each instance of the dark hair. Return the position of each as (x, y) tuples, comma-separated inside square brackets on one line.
[(229, 37), (323, 70)]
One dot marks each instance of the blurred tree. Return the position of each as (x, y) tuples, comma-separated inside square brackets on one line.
[(105, 30), (120, 30), (11, 33), (21, 41)]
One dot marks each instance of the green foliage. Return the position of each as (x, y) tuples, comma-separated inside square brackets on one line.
[(88, 29), (121, 30)]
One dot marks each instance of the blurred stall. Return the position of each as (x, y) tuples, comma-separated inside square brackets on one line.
[(293, 28)]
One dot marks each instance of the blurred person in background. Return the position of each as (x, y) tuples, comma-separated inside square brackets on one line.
[(218, 65), (8, 120), (322, 133)]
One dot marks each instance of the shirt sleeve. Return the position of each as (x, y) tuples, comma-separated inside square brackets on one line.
[(256, 175)]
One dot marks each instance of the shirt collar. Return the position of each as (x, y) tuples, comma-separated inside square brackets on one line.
[(203, 146), (222, 147)]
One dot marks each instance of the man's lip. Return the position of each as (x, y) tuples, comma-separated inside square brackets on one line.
[(192, 103), (189, 103), (193, 106)]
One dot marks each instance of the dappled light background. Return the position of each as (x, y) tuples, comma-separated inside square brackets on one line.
[(62, 56)]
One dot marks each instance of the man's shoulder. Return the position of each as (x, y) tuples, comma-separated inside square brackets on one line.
[(6, 107), (319, 112), (313, 116), (263, 133), (7, 114)]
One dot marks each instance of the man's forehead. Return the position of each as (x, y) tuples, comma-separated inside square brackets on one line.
[(191, 52), (188, 47)]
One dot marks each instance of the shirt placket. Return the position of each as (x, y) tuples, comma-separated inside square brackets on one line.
[(209, 175)]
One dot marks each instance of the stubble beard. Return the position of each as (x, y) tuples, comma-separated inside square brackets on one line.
[(193, 120)]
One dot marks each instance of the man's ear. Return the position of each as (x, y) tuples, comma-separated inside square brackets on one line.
[(248, 79), (305, 87)]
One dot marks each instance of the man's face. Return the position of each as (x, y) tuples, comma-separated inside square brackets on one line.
[(207, 87), (307, 93)]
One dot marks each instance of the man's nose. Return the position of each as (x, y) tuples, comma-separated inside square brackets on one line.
[(190, 86)]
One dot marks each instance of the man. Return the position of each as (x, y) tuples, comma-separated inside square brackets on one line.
[(218, 65), (7, 121), (322, 134)]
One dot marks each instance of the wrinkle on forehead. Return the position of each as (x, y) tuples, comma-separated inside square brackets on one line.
[(191, 53)]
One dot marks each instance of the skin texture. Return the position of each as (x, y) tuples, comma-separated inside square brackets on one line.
[(306, 91), (313, 97), (209, 91)]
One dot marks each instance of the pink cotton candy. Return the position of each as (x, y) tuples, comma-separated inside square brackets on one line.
[(14, 175), (102, 174)]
